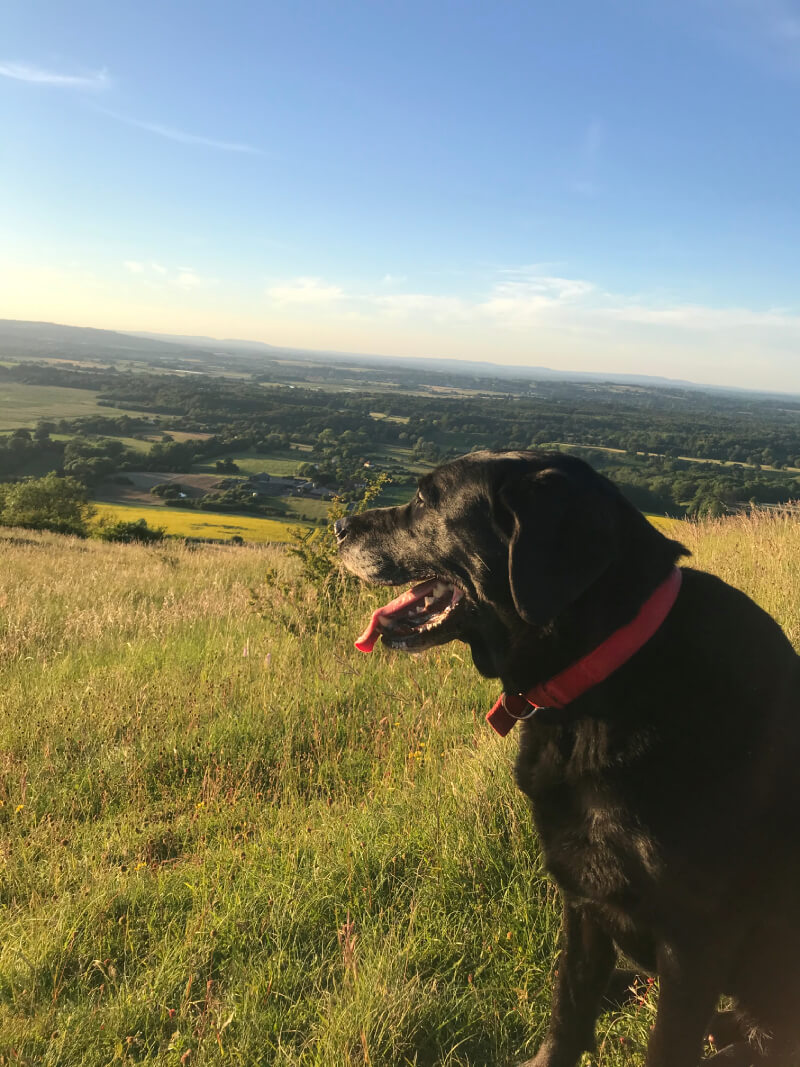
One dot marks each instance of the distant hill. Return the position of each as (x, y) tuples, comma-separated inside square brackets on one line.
[(473, 368), (47, 340)]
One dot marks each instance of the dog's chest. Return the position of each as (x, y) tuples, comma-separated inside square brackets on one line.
[(594, 845)]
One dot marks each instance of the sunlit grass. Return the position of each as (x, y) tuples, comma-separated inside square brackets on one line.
[(227, 837), (190, 523), (24, 405), (282, 463)]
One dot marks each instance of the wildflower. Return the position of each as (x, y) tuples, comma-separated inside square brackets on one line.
[(18, 808)]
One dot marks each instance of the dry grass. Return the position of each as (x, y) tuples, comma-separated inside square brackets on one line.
[(759, 553)]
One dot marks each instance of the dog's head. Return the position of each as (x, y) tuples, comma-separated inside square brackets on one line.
[(501, 546)]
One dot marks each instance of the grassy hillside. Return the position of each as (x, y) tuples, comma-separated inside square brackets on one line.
[(225, 837)]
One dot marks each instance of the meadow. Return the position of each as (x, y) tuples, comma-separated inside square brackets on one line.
[(281, 463), (227, 837), (25, 405)]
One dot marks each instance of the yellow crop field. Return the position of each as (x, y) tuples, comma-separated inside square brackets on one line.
[(186, 523), (670, 527)]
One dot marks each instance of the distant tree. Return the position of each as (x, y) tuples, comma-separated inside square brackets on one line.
[(226, 466), (48, 503)]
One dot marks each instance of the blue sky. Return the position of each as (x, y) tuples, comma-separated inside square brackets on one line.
[(589, 184)]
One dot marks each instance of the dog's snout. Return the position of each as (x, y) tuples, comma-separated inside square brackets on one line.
[(340, 529)]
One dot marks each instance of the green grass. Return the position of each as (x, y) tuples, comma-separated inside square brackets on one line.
[(185, 522), (24, 405), (223, 832), (280, 464)]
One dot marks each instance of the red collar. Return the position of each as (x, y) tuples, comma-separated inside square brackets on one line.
[(592, 668)]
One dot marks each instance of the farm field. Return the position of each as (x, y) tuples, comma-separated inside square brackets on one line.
[(280, 464), (227, 837), (24, 405), (188, 523)]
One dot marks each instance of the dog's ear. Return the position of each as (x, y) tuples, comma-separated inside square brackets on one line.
[(561, 539)]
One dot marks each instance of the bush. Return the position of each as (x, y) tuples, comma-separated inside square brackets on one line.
[(129, 532), (48, 503), (317, 548)]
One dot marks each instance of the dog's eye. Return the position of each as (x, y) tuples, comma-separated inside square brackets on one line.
[(418, 500)]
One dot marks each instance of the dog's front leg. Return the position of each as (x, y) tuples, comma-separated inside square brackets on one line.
[(689, 987), (584, 966)]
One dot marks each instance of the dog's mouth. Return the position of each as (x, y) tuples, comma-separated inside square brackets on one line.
[(424, 616)]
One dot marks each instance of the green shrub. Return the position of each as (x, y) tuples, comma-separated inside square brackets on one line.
[(48, 503), (129, 531), (317, 549)]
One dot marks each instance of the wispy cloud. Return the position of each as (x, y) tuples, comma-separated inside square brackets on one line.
[(188, 279), (591, 147), (432, 306), (25, 72), (305, 291), (766, 32), (182, 137), (153, 273), (522, 296), (523, 300)]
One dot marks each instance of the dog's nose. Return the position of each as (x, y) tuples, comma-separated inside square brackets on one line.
[(340, 529)]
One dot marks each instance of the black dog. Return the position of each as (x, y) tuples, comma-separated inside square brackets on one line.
[(663, 771)]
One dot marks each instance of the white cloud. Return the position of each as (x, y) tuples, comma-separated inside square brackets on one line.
[(305, 291), (24, 72), (189, 279), (567, 320), (699, 317), (524, 297), (154, 273), (181, 136), (430, 305)]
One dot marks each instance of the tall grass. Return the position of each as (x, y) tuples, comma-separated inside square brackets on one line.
[(225, 836)]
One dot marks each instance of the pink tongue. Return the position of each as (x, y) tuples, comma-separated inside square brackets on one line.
[(369, 638)]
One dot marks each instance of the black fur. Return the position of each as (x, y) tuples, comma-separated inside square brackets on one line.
[(667, 800)]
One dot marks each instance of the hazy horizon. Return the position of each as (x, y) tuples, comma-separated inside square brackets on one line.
[(594, 187)]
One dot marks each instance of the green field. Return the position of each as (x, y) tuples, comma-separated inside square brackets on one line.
[(182, 522), (227, 837), (281, 464), (24, 405)]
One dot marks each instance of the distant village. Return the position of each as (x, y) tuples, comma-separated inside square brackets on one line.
[(271, 485)]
